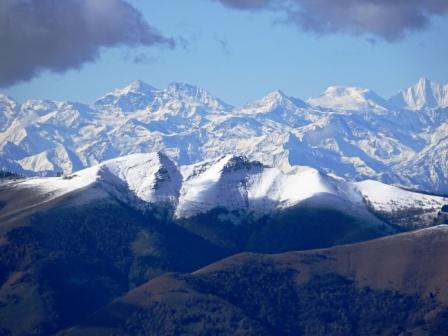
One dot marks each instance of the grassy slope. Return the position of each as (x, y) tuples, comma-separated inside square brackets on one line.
[(383, 287)]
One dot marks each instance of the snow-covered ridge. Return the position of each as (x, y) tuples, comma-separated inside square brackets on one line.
[(423, 94), (232, 182), (385, 197), (141, 180), (274, 100), (236, 183), (347, 131)]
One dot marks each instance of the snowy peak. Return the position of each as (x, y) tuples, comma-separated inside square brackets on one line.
[(279, 108), (141, 96), (137, 86), (234, 163), (348, 99), (424, 94), (219, 183), (275, 100), (190, 93), (279, 98), (212, 171), (186, 90), (149, 179), (275, 97), (135, 96), (238, 184)]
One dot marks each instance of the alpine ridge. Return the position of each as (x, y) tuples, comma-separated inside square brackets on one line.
[(148, 182), (346, 131)]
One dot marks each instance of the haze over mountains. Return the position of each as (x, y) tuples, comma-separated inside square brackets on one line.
[(349, 132)]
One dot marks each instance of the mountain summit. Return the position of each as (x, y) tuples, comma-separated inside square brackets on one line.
[(136, 95), (348, 98), (193, 93), (424, 94)]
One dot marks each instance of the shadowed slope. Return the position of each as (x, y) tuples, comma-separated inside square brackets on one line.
[(387, 286)]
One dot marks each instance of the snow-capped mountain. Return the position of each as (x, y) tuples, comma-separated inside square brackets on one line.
[(136, 95), (424, 94), (349, 98), (234, 183), (347, 131)]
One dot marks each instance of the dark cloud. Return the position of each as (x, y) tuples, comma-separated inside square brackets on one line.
[(387, 19), (58, 35), (143, 58), (246, 4)]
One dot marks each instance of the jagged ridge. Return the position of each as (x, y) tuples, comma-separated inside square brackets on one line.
[(350, 132)]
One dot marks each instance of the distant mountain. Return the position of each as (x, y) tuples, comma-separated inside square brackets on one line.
[(137, 95), (347, 131), (349, 98), (424, 94), (390, 286)]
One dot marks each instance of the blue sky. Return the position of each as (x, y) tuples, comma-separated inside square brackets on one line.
[(241, 55)]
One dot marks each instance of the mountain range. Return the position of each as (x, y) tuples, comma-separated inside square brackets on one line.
[(77, 250), (239, 188), (349, 132), (172, 212)]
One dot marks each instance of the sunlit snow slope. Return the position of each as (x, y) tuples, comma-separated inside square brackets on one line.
[(145, 181)]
